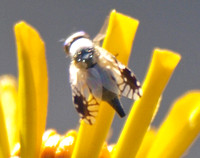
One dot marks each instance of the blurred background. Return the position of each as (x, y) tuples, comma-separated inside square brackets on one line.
[(174, 25)]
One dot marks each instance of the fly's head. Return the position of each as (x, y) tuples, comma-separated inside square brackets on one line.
[(81, 50)]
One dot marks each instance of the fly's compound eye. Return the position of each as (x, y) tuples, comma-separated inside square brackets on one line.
[(68, 42)]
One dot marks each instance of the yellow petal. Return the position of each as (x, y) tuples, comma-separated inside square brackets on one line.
[(33, 88), (4, 144), (91, 138), (179, 129), (146, 143), (120, 35), (162, 66), (8, 98)]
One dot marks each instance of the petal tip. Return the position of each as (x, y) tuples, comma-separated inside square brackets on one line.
[(167, 57)]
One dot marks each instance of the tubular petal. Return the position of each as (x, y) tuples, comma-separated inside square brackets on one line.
[(4, 144), (120, 35), (146, 143), (179, 129), (8, 98), (162, 66), (91, 138), (33, 88)]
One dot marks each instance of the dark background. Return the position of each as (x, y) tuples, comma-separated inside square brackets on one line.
[(173, 25)]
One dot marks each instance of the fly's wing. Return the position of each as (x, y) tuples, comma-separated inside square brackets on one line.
[(102, 33), (85, 97), (125, 80)]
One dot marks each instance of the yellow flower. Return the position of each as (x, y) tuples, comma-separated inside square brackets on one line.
[(23, 111)]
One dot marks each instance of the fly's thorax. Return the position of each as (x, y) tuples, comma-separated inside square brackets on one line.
[(85, 58)]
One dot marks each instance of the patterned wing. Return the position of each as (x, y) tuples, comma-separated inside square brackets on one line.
[(102, 33), (84, 97), (124, 78)]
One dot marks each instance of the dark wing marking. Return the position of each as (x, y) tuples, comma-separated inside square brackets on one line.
[(85, 102), (125, 80), (129, 86), (87, 109)]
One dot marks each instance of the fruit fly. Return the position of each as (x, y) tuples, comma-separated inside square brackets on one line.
[(96, 75)]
